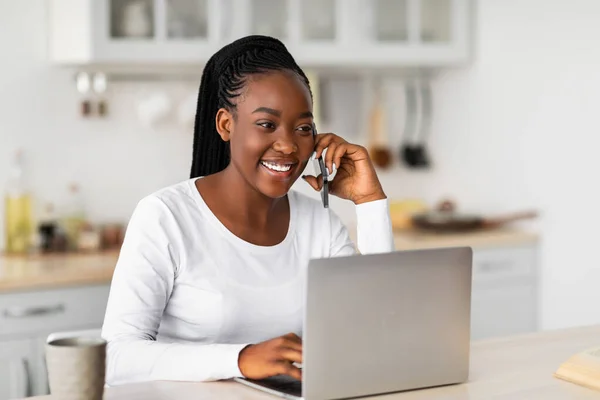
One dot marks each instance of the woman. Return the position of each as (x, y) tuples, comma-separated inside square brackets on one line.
[(208, 284)]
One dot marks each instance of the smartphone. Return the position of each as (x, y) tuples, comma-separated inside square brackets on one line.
[(322, 175)]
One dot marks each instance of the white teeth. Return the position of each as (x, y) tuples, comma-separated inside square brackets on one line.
[(277, 167)]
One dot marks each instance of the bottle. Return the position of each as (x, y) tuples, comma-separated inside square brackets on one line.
[(47, 231), (19, 224), (73, 218), (89, 239)]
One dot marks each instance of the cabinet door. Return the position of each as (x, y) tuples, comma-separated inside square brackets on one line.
[(330, 33), (270, 17), (16, 359), (318, 20), (154, 31), (137, 21), (187, 20), (420, 21), (501, 266), (435, 21), (413, 32), (45, 311), (389, 21), (503, 310)]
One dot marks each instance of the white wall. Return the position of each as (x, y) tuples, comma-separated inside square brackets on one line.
[(523, 121), (515, 129)]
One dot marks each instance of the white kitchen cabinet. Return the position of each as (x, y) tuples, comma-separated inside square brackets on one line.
[(51, 310), (503, 311), (319, 33), (130, 31), (27, 318), (505, 292), (17, 358), (506, 278)]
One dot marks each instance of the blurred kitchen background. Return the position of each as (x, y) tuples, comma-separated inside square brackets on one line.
[(471, 107)]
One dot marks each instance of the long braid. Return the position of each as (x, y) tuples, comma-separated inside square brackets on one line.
[(223, 79)]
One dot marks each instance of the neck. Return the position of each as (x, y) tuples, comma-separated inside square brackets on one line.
[(244, 203)]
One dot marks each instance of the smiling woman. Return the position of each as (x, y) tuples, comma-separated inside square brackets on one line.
[(209, 280), (281, 166), (270, 125)]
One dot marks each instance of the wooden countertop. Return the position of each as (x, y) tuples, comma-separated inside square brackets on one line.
[(56, 270), (411, 240), (48, 271), (519, 367)]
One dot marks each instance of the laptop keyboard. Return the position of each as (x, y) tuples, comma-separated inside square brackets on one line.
[(281, 383)]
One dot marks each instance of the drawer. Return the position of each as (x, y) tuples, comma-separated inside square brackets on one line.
[(506, 263), (504, 311), (41, 312)]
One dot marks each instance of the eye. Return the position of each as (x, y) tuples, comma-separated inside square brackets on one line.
[(266, 124), (305, 130)]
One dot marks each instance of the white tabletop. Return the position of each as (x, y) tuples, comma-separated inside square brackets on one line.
[(501, 369)]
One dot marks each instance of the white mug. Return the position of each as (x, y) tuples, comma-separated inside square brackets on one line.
[(76, 368)]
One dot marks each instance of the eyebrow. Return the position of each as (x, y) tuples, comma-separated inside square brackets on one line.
[(306, 114), (267, 110), (277, 113)]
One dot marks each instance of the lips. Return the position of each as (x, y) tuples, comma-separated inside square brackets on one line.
[(281, 169), (278, 167)]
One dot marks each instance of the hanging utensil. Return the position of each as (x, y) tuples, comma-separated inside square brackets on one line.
[(420, 154), (378, 149), (83, 87), (407, 150), (99, 84)]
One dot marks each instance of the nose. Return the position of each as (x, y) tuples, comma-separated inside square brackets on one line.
[(285, 144)]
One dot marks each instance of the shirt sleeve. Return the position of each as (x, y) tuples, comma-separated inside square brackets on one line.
[(374, 231), (141, 286)]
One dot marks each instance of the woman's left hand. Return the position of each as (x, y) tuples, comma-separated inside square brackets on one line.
[(355, 178)]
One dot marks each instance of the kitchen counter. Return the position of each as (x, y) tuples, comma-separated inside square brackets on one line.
[(55, 270), (518, 367), (410, 240)]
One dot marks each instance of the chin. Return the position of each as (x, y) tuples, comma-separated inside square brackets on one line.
[(275, 190), (276, 184)]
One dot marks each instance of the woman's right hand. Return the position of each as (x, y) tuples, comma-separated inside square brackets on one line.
[(272, 357)]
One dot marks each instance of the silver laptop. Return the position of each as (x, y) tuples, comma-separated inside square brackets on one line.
[(382, 323)]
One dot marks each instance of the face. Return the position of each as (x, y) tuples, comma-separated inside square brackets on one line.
[(270, 135)]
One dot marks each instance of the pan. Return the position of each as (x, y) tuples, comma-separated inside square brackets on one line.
[(449, 221)]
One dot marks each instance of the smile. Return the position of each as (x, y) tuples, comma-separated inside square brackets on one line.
[(277, 167)]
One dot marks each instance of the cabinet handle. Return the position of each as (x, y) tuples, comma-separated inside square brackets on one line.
[(19, 312), (19, 379), (497, 266)]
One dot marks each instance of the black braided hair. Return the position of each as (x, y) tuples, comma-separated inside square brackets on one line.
[(223, 78)]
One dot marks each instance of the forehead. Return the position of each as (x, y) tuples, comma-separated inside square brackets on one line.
[(279, 90)]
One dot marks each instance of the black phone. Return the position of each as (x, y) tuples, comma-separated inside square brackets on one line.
[(321, 173)]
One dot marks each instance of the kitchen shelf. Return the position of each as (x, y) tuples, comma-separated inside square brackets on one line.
[(352, 34)]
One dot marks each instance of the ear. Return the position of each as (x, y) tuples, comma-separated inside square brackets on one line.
[(224, 123)]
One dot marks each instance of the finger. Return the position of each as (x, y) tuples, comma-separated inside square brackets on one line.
[(294, 337), (295, 341), (323, 141), (285, 368), (316, 182), (340, 152), (291, 354), (328, 160), (356, 153)]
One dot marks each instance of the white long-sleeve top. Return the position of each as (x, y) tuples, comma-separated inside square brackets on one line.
[(187, 295)]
